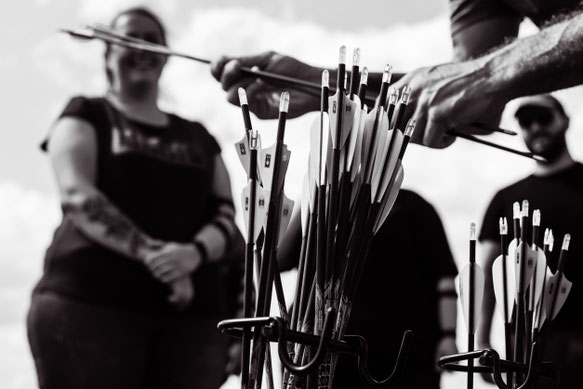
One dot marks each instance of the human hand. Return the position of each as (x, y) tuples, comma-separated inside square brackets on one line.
[(445, 346), (174, 260), (450, 96), (182, 292), (263, 95)]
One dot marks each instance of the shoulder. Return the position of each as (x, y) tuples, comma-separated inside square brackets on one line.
[(78, 112), (414, 204), (414, 199), (83, 106), (512, 189)]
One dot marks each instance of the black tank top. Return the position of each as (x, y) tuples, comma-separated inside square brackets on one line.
[(160, 177)]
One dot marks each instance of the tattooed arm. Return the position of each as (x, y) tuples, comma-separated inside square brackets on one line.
[(73, 153)]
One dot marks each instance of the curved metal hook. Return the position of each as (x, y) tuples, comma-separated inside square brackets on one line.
[(497, 371), (362, 346), (492, 356), (234, 327), (320, 352)]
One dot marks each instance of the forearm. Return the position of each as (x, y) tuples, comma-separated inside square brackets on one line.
[(214, 238), (102, 222), (544, 62)]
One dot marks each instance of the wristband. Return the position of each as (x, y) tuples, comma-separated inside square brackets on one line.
[(202, 251), (447, 293), (447, 334)]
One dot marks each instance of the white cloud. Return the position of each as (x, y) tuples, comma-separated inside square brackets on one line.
[(28, 220), (458, 181)]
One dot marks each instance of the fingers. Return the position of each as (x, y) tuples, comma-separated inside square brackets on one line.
[(166, 269), (217, 67), (263, 101), (167, 273), (429, 130), (182, 293), (228, 70)]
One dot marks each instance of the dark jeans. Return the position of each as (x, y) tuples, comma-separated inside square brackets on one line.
[(78, 345)]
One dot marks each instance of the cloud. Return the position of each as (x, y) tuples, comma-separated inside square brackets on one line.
[(28, 219), (459, 181)]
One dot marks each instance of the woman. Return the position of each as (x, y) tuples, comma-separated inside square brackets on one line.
[(130, 295)]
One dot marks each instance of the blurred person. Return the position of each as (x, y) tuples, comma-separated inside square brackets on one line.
[(135, 278), (407, 284), (490, 68), (556, 188)]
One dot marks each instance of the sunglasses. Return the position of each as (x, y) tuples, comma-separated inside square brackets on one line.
[(527, 116)]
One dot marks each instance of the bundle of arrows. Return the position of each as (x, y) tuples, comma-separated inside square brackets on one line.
[(353, 176), (110, 36), (529, 296)]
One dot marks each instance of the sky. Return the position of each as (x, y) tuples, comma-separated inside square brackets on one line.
[(41, 69)]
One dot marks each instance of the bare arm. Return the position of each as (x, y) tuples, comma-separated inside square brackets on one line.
[(73, 154), (544, 62), (453, 95)]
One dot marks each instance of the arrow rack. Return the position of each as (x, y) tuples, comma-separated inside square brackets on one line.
[(354, 175), (527, 290)]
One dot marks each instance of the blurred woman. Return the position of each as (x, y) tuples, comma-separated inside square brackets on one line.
[(131, 291)]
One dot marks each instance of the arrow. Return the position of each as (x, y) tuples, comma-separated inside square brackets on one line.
[(392, 102), (269, 272), (504, 279), (390, 188), (242, 147), (471, 284), (505, 289), (558, 285), (540, 270), (539, 313), (251, 214), (524, 271), (406, 92), (354, 73)]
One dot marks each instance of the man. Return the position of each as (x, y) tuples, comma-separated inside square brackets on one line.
[(556, 188), (451, 95), (405, 285)]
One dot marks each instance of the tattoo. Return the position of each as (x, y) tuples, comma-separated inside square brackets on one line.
[(116, 230)]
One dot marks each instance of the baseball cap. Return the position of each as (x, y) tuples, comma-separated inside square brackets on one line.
[(545, 101)]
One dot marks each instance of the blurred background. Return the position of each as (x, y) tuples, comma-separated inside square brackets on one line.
[(40, 69)]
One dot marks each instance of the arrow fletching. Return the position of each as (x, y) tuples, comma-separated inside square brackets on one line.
[(464, 286)]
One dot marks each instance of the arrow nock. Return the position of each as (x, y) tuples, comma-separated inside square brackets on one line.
[(356, 57), (242, 97), (503, 224), (566, 241), (284, 102), (405, 95), (536, 218)]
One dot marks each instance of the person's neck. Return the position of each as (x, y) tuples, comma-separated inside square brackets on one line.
[(563, 162), (144, 109)]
